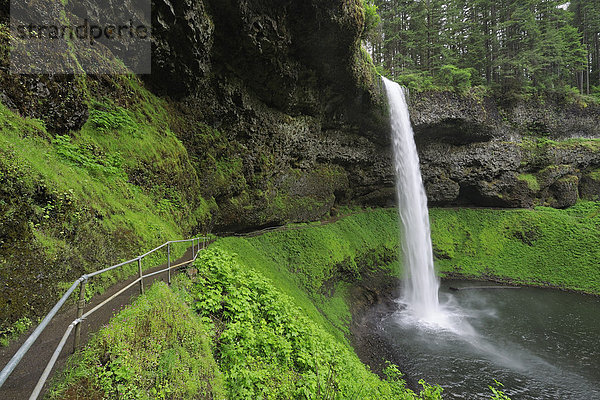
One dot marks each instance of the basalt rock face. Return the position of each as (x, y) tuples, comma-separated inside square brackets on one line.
[(475, 153), (277, 104), (281, 97)]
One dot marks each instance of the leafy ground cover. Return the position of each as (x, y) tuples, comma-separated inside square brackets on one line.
[(272, 309), (316, 265), (276, 333), (268, 347)]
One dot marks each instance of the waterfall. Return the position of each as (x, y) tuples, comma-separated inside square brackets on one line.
[(420, 283)]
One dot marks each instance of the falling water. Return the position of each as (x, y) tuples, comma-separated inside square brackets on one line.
[(420, 284)]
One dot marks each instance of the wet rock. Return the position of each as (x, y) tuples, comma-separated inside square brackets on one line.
[(589, 187), (478, 153), (441, 190), (564, 192)]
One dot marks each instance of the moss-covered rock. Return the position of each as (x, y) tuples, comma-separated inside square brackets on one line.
[(501, 153), (589, 187)]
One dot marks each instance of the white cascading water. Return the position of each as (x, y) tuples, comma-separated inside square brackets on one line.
[(421, 285)]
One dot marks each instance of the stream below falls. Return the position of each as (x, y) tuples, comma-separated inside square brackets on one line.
[(539, 343)]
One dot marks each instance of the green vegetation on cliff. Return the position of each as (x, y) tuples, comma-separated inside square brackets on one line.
[(542, 247), (77, 202)]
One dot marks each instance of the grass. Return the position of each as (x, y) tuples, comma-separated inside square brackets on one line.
[(531, 180)]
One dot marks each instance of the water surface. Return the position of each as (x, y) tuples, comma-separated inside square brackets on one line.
[(541, 344)]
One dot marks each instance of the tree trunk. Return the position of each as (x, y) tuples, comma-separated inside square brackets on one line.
[(587, 72)]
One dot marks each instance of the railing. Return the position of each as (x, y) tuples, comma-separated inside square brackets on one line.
[(76, 324)]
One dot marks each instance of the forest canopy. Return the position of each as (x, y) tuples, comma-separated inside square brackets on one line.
[(513, 46)]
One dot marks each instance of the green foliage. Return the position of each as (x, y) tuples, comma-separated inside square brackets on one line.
[(77, 203), (453, 78), (276, 336), (586, 17), (89, 157), (154, 349), (306, 263), (17, 328), (497, 393), (519, 48), (266, 345), (448, 78), (545, 246), (418, 81), (531, 180), (372, 19), (107, 119)]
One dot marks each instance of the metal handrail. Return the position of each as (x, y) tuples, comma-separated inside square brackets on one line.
[(76, 324)]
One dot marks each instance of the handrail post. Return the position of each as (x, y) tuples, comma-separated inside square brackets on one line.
[(141, 275), (80, 307), (169, 262), (193, 249)]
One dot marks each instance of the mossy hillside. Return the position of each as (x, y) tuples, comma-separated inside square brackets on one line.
[(264, 345), (316, 264), (75, 203), (544, 246), (154, 349)]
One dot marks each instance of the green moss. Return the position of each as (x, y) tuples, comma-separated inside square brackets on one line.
[(590, 144), (154, 349), (545, 246), (73, 204), (595, 175), (531, 181)]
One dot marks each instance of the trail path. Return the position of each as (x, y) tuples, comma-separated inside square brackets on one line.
[(23, 379), (21, 382)]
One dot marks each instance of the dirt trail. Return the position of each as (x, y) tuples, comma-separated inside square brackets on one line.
[(23, 379)]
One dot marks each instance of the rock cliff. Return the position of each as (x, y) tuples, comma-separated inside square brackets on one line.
[(284, 118), (257, 113), (282, 98), (475, 152)]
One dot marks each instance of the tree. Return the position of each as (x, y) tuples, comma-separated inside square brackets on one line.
[(516, 46), (586, 17)]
